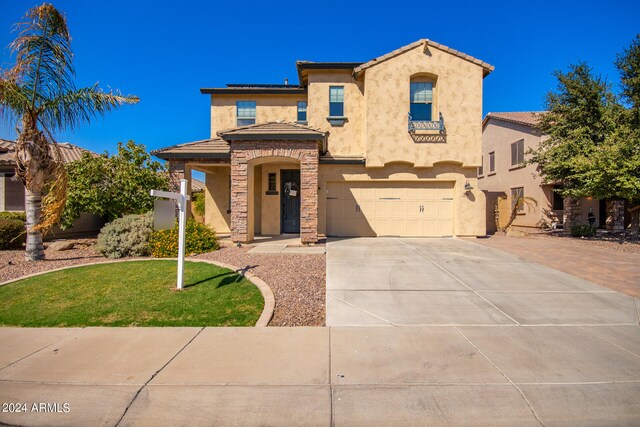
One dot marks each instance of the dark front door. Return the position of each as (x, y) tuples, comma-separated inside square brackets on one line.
[(290, 201)]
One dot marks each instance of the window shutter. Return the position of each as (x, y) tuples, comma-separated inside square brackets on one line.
[(514, 154), (521, 151)]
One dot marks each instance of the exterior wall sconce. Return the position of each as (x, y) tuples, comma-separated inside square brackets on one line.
[(467, 186)]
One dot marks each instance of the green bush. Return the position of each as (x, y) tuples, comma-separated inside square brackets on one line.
[(582, 230), (12, 233), (14, 215), (126, 236), (199, 239), (198, 203)]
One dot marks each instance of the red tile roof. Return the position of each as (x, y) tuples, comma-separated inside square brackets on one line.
[(68, 151)]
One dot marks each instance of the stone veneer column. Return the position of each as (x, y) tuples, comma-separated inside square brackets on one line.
[(304, 151), (615, 215), (309, 194), (571, 214), (176, 173), (239, 196), (180, 170)]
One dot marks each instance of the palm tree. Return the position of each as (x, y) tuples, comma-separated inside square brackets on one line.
[(39, 95)]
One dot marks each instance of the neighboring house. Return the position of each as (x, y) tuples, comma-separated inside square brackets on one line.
[(12, 191), (388, 147), (197, 186), (506, 137)]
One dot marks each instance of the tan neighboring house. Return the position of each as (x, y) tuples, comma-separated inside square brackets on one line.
[(12, 191), (388, 147), (506, 137)]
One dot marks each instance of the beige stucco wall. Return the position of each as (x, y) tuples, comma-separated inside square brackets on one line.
[(458, 95), (217, 199), (348, 139), (468, 208), (497, 137), (269, 108)]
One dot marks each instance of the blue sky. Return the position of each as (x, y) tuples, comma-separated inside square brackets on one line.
[(164, 52)]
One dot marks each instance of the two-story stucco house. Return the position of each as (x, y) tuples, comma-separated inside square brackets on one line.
[(388, 147), (506, 137)]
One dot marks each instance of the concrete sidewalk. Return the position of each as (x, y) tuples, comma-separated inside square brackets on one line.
[(447, 375)]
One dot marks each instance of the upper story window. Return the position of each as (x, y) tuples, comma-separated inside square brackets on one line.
[(336, 101), (492, 162), (246, 113), (517, 153), (421, 101), (302, 111)]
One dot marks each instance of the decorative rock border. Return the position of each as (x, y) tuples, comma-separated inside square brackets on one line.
[(265, 290)]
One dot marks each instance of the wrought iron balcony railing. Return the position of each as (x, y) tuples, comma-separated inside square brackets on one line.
[(419, 125)]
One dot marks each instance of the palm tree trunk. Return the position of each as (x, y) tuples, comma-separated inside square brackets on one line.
[(33, 208)]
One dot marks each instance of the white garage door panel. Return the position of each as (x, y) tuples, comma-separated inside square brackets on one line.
[(391, 208)]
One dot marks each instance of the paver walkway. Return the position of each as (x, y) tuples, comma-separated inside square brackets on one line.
[(610, 268), (497, 375)]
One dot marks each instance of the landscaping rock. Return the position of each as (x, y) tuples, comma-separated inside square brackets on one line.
[(62, 245), (515, 233)]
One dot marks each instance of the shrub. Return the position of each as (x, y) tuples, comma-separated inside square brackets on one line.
[(14, 215), (198, 203), (583, 230), (12, 233), (199, 239), (126, 236)]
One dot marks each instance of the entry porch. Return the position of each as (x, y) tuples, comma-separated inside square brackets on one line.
[(260, 179)]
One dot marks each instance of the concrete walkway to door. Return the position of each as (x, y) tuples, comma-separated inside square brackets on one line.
[(438, 282)]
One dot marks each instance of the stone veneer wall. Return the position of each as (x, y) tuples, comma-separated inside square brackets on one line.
[(571, 213), (615, 215), (306, 152), (176, 173)]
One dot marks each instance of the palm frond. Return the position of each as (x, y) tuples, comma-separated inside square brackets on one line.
[(14, 100), (43, 54), (69, 109)]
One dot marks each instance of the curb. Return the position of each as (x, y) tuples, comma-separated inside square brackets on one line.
[(267, 293), (265, 290)]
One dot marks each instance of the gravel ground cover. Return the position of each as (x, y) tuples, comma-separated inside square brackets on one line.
[(13, 265), (614, 241), (297, 281)]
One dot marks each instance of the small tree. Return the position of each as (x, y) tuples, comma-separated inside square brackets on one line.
[(113, 186), (593, 147), (516, 205), (39, 93)]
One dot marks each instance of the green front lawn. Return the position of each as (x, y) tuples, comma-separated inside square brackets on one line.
[(137, 293)]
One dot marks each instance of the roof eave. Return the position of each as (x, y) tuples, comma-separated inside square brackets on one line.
[(169, 156), (253, 91), (271, 137), (487, 68)]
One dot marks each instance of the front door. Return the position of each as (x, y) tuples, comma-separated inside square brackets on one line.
[(290, 201)]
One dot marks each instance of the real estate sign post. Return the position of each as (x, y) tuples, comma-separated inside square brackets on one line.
[(181, 198)]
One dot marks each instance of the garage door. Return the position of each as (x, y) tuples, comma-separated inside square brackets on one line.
[(405, 208)]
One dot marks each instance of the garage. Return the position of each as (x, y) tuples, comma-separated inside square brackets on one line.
[(390, 208)]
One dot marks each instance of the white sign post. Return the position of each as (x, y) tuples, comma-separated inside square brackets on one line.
[(181, 198)]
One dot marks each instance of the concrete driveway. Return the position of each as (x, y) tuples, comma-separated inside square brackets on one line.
[(506, 343), (438, 282)]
